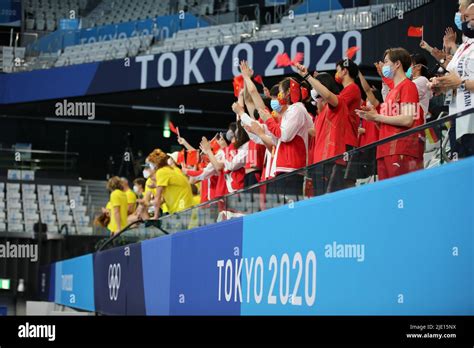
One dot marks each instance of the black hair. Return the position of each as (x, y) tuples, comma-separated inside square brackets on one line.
[(275, 90), (419, 59), (241, 136), (328, 81), (267, 102), (351, 67), (232, 126), (140, 182)]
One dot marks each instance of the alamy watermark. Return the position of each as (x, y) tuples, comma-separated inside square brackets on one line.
[(76, 109), (19, 251)]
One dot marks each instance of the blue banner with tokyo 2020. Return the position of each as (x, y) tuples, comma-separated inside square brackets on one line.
[(118, 281), (74, 282), (205, 272), (372, 250)]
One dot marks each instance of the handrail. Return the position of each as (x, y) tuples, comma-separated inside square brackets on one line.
[(437, 122), (126, 228)]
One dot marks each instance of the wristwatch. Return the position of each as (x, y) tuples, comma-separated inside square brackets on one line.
[(462, 87)]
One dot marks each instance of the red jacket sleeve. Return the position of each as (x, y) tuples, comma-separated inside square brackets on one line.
[(274, 127), (194, 172)]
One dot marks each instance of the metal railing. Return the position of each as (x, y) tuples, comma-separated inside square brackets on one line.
[(352, 168)]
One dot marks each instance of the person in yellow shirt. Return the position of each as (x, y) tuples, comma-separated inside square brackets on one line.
[(117, 205), (196, 194), (131, 196), (172, 186)]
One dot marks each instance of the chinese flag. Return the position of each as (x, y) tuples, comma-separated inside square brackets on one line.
[(214, 145), (283, 60), (173, 128), (298, 58), (192, 157), (238, 84), (351, 51), (415, 31), (258, 79), (180, 157)]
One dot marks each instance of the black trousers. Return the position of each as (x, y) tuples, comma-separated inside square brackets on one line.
[(291, 185), (328, 178), (251, 178)]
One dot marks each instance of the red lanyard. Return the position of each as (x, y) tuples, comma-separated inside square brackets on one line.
[(464, 49)]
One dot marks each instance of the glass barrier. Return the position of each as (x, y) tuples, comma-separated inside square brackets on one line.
[(427, 146)]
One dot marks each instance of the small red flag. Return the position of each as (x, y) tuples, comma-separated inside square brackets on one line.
[(351, 51), (214, 145), (298, 58), (173, 128), (238, 84), (415, 31), (258, 79), (192, 157), (283, 60), (180, 158)]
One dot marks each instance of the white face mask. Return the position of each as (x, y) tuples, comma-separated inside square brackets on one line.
[(135, 189), (146, 173)]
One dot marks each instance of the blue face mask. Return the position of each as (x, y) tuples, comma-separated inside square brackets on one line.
[(387, 72), (275, 104), (409, 72), (457, 20)]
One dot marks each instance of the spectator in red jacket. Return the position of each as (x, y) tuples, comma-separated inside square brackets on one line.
[(398, 113)]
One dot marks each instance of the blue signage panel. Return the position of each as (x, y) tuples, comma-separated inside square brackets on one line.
[(69, 34), (374, 250), (156, 260), (135, 286), (10, 13), (321, 52), (110, 281), (205, 274), (118, 281), (47, 282), (74, 282)]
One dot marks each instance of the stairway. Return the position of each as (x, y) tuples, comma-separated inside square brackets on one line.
[(95, 196)]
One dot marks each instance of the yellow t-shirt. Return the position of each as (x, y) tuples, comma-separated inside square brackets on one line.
[(149, 189), (131, 198), (118, 198), (163, 207), (177, 192), (196, 199)]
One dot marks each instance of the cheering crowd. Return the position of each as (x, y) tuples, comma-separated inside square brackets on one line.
[(306, 120)]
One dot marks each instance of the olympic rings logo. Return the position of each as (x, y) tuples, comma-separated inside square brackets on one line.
[(114, 281)]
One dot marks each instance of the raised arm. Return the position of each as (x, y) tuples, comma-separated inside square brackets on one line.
[(330, 97), (250, 85), (368, 91), (184, 143), (206, 148)]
